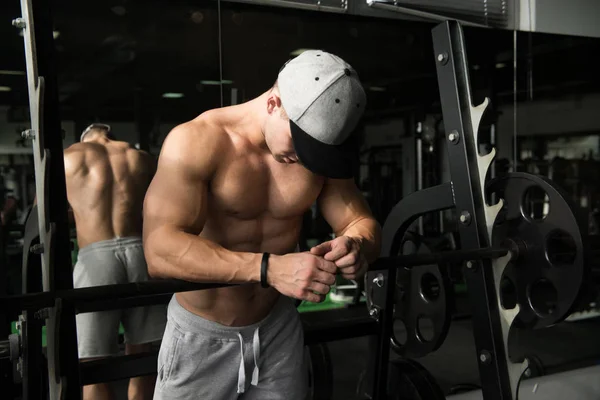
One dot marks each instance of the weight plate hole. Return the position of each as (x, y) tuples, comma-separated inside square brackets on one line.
[(501, 217), (536, 204), (543, 297), (430, 287), (400, 333), (508, 293), (425, 329), (561, 249)]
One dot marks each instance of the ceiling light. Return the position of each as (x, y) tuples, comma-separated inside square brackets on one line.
[(475, 67), (500, 65), (55, 34), (297, 52), (9, 72), (377, 89), (172, 95), (5, 89), (197, 17), (216, 83)]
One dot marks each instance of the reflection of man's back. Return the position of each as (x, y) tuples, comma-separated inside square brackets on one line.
[(106, 184)]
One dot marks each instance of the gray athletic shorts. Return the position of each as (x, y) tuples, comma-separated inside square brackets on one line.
[(110, 262), (202, 359)]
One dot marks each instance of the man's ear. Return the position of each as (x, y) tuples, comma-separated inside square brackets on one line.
[(273, 101)]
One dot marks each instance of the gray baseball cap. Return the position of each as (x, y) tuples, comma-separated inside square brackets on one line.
[(94, 126), (324, 100)]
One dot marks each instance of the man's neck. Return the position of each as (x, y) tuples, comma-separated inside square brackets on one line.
[(250, 120), (99, 140)]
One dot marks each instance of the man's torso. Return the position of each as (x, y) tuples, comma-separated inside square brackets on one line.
[(255, 204), (106, 185)]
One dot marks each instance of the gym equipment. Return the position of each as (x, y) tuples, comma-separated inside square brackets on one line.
[(320, 372), (410, 380), (422, 295), (548, 276), (488, 244), (407, 380), (580, 384), (485, 264)]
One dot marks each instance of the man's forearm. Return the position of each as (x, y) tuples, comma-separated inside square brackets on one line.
[(368, 232), (176, 254)]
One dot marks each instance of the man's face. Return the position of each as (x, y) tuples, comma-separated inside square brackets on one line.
[(278, 135)]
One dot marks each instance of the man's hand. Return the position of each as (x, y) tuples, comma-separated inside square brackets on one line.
[(346, 253), (303, 276)]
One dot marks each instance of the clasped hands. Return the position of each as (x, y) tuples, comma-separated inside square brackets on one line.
[(346, 253), (310, 275)]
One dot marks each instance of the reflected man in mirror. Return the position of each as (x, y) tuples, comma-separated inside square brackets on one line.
[(106, 183)]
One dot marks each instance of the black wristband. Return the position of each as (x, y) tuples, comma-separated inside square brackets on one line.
[(263, 270)]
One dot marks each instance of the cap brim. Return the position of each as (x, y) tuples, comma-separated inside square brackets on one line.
[(331, 161)]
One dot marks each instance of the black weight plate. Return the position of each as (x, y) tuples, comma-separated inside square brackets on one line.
[(421, 303), (410, 380), (546, 280)]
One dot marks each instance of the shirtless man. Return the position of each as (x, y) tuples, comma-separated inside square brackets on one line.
[(230, 189), (106, 183)]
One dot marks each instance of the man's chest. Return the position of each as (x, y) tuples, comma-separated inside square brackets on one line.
[(251, 188)]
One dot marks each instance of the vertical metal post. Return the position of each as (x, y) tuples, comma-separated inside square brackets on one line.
[(63, 362), (420, 169), (453, 80)]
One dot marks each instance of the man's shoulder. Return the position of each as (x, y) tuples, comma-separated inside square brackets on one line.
[(81, 151), (202, 134)]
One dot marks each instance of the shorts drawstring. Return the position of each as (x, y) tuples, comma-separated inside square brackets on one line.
[(256, 350), (242, 369)]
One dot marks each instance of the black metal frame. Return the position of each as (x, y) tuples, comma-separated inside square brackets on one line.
[(464, 193), (401, 217), (453, 79), (319, 327), (51, 189)]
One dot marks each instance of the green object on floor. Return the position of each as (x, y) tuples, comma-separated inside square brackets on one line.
[(328, 304), (13, 329), (460, 288)]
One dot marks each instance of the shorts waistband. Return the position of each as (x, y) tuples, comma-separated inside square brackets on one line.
[(194, 323), (112, 244)]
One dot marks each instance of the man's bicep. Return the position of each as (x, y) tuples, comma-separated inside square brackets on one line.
[(342, 204), (176, 199), (177, 195)]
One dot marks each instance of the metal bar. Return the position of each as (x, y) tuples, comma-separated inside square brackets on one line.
[(417, 13), (420, 173), (339, 324), (415, 260), (117, 368), (9, 151), (127, 366), (454, 90), (297, 5), (123, 303), (51, 194), (92, 298)]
